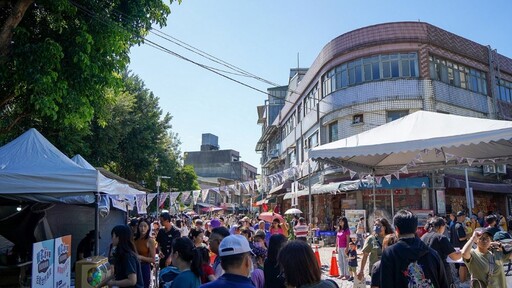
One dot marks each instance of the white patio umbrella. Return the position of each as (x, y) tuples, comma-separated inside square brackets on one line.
[(292, 211)]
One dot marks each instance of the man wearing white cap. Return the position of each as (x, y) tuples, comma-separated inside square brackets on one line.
[(235, 258)]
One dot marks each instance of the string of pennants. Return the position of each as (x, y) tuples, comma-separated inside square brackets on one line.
[(419, 159), (141, 201), (298, 171)]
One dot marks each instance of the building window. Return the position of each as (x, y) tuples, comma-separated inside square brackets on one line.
[(357, 119), (311, 100), (373, 68), (505, 91), (393, 115), (333, 131), (458, 75), (312, 140), (289, 125)]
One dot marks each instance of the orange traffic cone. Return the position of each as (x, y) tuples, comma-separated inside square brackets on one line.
[(317, 255), (333, 272)]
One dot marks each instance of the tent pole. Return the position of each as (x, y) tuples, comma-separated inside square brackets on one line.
[(97, 225), (309, 194), (374, 199)]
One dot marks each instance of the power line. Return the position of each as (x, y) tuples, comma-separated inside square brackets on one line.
[(240, 71)]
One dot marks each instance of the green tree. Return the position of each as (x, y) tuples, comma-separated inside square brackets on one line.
[(185, 179), (137, 141), (60, 59)]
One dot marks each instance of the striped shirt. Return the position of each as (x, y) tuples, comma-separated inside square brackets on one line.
[(301, 230)]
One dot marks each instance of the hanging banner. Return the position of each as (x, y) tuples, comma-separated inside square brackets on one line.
[(141, 204), (150, 197), (119, 204), (185, 196), (195, 196), (204, 195), (62, 262), (42, 264), (161, 201)]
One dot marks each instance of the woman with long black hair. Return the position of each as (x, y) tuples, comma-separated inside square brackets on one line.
[(187, 259), (271, 269), (127, 271)]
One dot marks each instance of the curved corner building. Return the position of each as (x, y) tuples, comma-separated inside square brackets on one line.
[(373, 75)]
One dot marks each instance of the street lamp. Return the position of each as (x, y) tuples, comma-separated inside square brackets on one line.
[(158, 191)]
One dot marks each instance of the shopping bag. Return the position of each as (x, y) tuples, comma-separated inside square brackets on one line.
[(359, 283)]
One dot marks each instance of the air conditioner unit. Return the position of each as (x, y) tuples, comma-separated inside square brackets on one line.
[(501, 168), (489, 169), (438, 181)]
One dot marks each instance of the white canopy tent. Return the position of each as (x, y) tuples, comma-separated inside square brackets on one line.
[(430, 140), (34, 170), (117, 190)]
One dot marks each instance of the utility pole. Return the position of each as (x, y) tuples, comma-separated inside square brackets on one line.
[(158, 178)]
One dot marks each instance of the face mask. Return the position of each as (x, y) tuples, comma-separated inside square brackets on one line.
[(376, 229), (257, 244)]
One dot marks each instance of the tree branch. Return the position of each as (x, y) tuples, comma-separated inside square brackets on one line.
[(17, 12), (10, 126)]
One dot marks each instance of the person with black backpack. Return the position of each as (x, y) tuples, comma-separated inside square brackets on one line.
[(410, 262)]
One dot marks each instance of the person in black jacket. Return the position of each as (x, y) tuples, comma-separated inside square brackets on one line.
[(409, 262)]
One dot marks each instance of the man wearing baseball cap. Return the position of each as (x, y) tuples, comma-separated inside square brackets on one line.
[(235, 258)]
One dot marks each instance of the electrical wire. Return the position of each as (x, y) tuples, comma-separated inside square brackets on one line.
[(238, 71)]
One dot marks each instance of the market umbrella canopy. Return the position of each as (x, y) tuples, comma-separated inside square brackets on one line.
[(270, 216), (441, 139), (292, 211)]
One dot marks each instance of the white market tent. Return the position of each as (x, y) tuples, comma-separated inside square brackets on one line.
[(34, 170), (430, 140)]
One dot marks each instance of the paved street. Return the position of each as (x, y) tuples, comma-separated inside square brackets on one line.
[(325, 258)]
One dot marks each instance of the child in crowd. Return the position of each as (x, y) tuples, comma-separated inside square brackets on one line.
[(352, 260)]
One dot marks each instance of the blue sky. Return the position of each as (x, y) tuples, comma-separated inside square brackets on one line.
[(263, 37)]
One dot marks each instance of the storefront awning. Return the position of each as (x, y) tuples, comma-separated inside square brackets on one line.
[(333, 187), (281, 188), (478, 186)]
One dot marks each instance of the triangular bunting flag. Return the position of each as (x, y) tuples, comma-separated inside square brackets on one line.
[(481, 161), (378, 179), (460, 160), (397, 175), (439, 153), (163, 197), (493, 160), (344, 170), (141, 203), (173, 197), (404, 170), (419, 158), (448, 157), (150, 197), (412, 164), (388, 178), (195, 196), (470, 161), (352, 173), (185, 196), (204, 195)]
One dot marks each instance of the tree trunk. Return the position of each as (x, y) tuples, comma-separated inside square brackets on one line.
[(17, 12)]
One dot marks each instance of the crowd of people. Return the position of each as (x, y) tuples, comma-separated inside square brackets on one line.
[(240, 251), (194, 252), (447, 253)]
